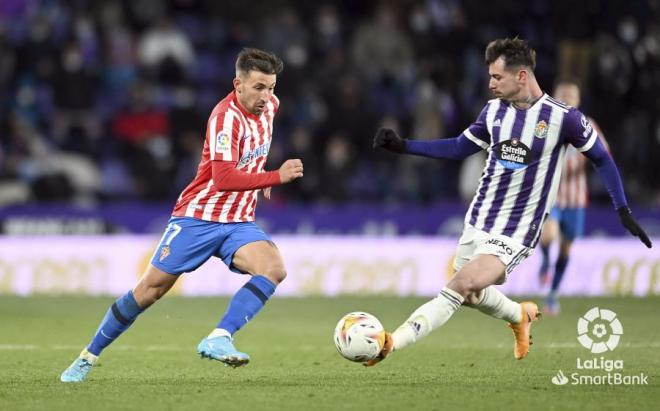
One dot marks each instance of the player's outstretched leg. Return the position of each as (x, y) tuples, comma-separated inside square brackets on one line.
[(425, 319), (245, 304), (117, 319)]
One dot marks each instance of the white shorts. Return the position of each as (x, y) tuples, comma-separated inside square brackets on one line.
[(474, 242)]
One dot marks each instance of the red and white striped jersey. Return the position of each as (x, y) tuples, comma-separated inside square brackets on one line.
[(232, 134), (573, 191)]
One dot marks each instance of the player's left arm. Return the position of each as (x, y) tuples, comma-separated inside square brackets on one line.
[(474, 139), (581, 134), (456, 148)]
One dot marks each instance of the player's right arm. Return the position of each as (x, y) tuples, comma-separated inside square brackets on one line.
[(580, 133), (473, 139), (224, 131)]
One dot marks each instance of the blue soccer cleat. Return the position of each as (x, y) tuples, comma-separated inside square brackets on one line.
[(79, 369), (222, 349)]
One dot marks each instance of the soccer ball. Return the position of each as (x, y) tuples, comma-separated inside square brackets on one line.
[(359, 336)]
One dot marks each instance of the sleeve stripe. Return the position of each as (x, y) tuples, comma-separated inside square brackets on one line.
[(212, 134), (590, 142), (467, 133)]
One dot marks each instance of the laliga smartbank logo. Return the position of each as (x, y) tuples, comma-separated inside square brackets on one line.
[(599, 331)]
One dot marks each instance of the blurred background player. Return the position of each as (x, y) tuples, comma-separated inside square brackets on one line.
[(525, 132), (567, 216), (214, 216)]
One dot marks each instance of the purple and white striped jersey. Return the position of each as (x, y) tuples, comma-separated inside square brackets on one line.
[(526, 151)]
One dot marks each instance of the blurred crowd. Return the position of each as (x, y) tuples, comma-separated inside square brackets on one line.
[(108, 100)]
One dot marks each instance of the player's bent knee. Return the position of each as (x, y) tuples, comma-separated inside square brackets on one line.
[(472, 299), (461, 286), (275, 274)]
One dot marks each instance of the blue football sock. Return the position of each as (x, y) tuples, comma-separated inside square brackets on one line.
[(246, 303), (546, 259), (560, 267), (119, 317)]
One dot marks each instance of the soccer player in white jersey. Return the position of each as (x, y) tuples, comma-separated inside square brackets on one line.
[(566, 220), (214, 217), (525, 133)]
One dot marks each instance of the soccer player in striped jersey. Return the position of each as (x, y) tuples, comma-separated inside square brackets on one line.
[(525, 133), (214, 217), (567, 216)]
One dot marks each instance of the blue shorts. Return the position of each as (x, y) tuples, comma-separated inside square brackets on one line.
[(189, 242), (570, 220)]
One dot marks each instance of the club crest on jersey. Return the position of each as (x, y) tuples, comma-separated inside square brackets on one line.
[(222, 142), (541, 129), (513, 154), (164, 252)]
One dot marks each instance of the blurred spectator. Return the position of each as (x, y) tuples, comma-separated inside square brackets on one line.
[(381, 49), (576, 28), (143, 131), (75, 123), (165, 51)]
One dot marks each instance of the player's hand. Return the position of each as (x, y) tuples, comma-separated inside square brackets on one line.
[(291, 170), (267, 192), (631, 225), (389, 140)]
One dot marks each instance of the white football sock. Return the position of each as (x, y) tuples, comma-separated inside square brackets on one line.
[(88, 356), (427, 318), (497, 305), (219, 332)]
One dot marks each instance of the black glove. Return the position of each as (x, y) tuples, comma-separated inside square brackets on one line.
[(631, 225), (389, 140)]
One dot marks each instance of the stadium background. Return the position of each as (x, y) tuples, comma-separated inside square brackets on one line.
[(103, 110)]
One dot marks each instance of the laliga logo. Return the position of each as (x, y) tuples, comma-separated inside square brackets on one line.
[(599, 330)]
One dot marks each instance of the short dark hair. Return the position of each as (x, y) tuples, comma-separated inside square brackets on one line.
[(254, 59), (515, 52)]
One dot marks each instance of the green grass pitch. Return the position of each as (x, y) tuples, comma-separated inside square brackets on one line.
[(467, 364)]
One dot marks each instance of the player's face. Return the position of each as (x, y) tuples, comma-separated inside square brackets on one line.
[(254, 90), (504, 83), (569, 94)]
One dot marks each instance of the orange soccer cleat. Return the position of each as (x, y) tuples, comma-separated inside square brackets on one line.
[(388, 347), (521, 330)]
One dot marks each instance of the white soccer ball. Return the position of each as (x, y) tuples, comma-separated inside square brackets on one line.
[(359, 336)]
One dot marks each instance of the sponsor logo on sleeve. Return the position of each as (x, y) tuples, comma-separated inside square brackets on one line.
[(222, 142), (586, 125)]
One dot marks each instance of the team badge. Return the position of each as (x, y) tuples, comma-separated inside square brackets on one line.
[(164, 252), (541, 130)]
